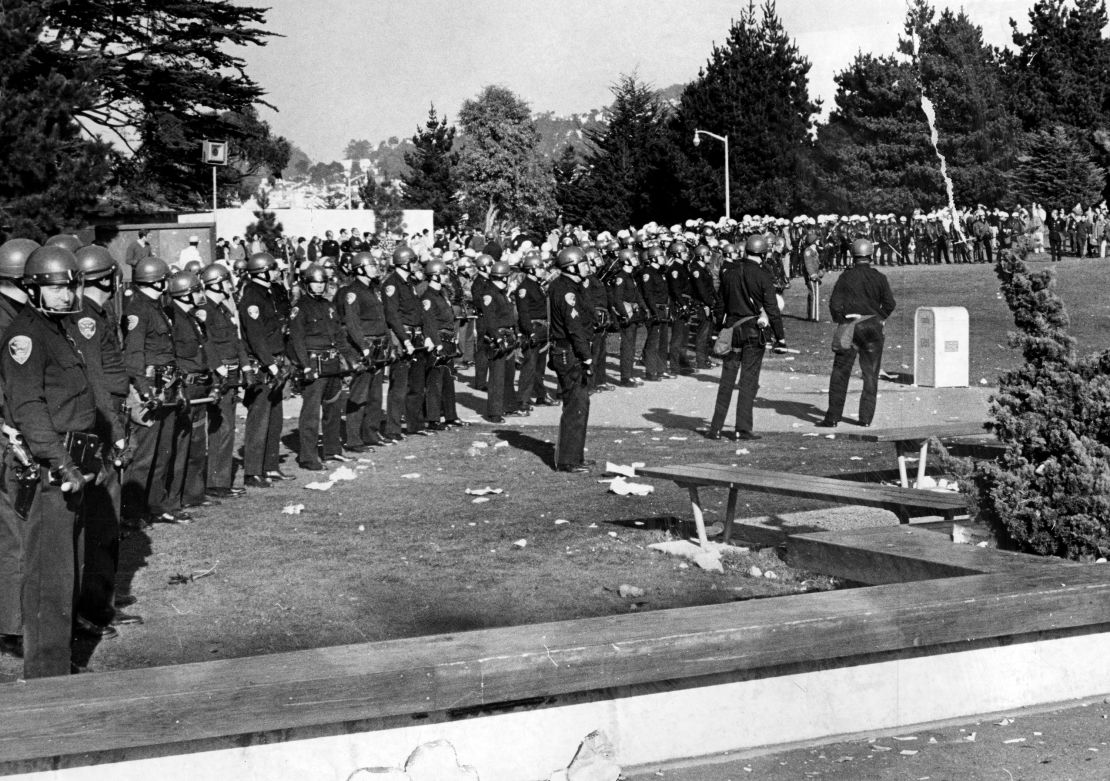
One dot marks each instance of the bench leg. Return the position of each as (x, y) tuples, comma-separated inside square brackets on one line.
[(730, 514), (921, 459), (902, 470), (903, 515), (695, 504)]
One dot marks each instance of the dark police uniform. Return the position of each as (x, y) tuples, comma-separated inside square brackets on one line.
[(186, 488), (861, 290), (227, 351), (747, 290), (364, 318), (48, 395), (654, 288), (440, 380), (320, 348), (679, 291), (151, 365), (597, 310), (570, 359), (628, 308), (407, 320), (93, 331), (479, 287), (264, 335), (11, 546), (497, 337), (531, 310), (705, 297)]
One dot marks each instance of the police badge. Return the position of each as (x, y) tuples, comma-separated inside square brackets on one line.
[(20, 348), (87, 327)]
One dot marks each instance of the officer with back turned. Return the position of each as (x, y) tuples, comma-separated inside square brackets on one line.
[(570, 358), (415, 332)]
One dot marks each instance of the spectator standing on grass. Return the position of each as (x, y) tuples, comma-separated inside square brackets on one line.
[(861, 295)]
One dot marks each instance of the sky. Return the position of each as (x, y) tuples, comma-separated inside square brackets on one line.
[(370, 69)]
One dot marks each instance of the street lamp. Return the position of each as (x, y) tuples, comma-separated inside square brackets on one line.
[(348, 166), (724, 140)]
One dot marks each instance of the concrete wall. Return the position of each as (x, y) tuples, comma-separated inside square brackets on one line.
[(307, 222)]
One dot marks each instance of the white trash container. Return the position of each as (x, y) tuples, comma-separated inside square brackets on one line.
[(941, 352)]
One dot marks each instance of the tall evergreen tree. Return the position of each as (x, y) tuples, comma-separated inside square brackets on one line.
[(569, 174), (389, 214), (1055, 170), (431, 182), (628, 175), (52, 170), (500, 165), (755, 90)]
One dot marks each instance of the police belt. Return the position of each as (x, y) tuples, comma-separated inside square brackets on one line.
[(196, 378), (329, 354), (540, 320), (414, 332), (565, 344)]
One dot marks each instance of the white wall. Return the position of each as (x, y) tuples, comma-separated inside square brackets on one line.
[(307, 222)]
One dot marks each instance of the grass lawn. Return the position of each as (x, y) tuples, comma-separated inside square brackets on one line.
[(403, 551)]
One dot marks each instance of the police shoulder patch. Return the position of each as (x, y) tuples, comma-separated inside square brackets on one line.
[(351, 298), (647, 277), (619, 281), (696, 274), (252, 312), (675, 273), (487, 300), (201, 315), (20, 349), (294, 312), (87, 327), (390, 290), (522, 293), (132, 322), (428, 304), (570, 299)]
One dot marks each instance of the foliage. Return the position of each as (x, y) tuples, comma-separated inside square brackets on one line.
[(754, 90), (431, 181), (1055, 170), (1050, 491), (265, 226), (298, 165), (52, 171), (358, 149), (162, 77), (500, 165), (258, 153), (384, 199), (569, 174), (628, 176), (326, 173)]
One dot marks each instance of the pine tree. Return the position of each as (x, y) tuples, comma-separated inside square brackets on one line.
[(431, 181), (52, 171), (1054, 170), (389, 214), (1049, 493), (500, 165), (569, 173), (754, 89), (265, 225)]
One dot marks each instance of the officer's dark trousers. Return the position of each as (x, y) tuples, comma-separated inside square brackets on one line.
[(481, 366), (406, 394), (628, 351), (530, 380), (598, 350), (746, 358), (570, 448), (677, 356), (500, 389), (440, 393), (321, 395), (98, 578), (221, 439), (653, 350), (190, 448), (11, 553), (701, 342), (941, 251), (146, 479), (364, 409), (263, 432), (867, 342), (52, 556)]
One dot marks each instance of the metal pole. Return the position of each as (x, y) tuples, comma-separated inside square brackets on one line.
[(728, 185), (348, 190), (214, 204)]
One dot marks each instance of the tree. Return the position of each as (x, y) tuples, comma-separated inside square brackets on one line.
[(326, 173), (358, 149), (628, 176), (1047, 493), (162, 78), (266, 226), (52, 171), (754, 89), (1055, 170), (500, 166), (257, 154), (389, 215), (431, 182), (569, 175), (298, 165)]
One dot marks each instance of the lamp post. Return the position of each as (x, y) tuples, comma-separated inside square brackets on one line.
[(348, 166), (728, 192)]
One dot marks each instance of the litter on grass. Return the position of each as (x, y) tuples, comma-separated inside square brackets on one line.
[(520, 543), (484, 491), (502, 443), (343, 473), (622, 487), (320, 486), (480, 500), (412, 476), (292, 509)]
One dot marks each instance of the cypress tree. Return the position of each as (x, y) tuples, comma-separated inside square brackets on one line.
[(430, 182)]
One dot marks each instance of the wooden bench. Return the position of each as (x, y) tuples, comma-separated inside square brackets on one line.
[(910, 440), (906, 503)]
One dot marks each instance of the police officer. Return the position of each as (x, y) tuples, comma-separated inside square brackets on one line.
[(706, 301), (597, 308), (628, 309), (194, 367), (50, 402), (497, 337), (531, 310), (13, 257), (440, 380), (479, 287), (229, 359), (323, 354), (811, 262), (570, 358), (653, 285), (862, 295), (360, 307), (750, 305), (264, 334), (148, 355), (678, 291), (411, 324), (95, 333)]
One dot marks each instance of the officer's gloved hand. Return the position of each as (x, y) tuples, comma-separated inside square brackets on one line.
[(409, 349), (429, 344), (309, 374), (273, 370), (587, 369), (121, 453), (69, 477)]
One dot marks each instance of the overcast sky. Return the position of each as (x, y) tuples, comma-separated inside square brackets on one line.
[(370, 68)]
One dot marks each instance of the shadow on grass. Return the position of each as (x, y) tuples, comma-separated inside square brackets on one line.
[(518, 440), (668, 419)]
